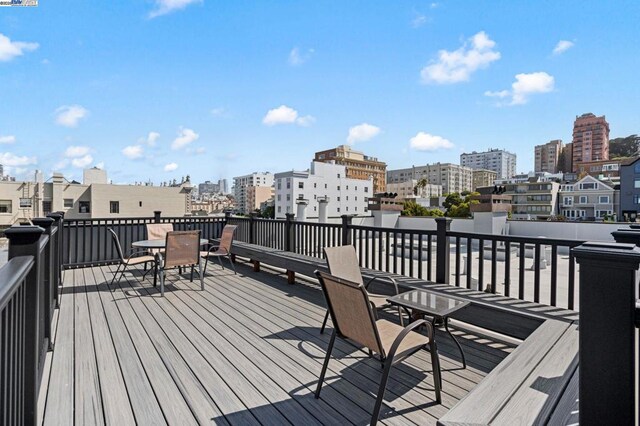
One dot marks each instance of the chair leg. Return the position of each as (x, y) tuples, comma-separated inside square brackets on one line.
[(383, 386), (201, 276), (220, 262), (437, 374), (232, 265), (324, 323), (191, 273), (326, 364), (206, 262), (115, 274), (161, 273)]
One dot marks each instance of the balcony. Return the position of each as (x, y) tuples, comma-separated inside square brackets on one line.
[(247, 348)]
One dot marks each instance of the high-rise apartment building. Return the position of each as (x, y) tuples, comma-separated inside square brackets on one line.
[(208, 187), (590, 139), (565, 163), (358, 165), (240, 184), (452, 177), (482, 177), (547, 156), (325, 183), (500, 161)]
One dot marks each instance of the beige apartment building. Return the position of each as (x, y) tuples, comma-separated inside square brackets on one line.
[(21, 201), (547, 156), (452, 177), (358, 165), (590, 139), (256, 195), (410, 189), (483, 177)]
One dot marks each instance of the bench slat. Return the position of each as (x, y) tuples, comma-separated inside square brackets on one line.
[(539, 394), (486, 400)]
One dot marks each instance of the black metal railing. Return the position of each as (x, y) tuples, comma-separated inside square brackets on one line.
[(87, 242), (29, 288), (505, 264), (540, 270)]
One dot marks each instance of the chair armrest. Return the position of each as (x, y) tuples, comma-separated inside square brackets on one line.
[(137, 252), (405, 332), (393, 281)]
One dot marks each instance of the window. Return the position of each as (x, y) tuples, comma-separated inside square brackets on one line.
[(279, 209), (347, 187), (5, 206), (636, 199), (301, 185), (315, 185), (338, 209), (338, 187), (279, 183), (337, 198), (84, 207), (325, 186), (366, 189), (25, 203), (114, 207), (636, 168), (68, 202), (338, 175), (347, 208), (583, 199), (46, 207), (636, 183), (568, 201), (603, 199), (588, 186), (139, 203), (356, 208), (279, 197), (300, 196), (288, 184), (288, 197)]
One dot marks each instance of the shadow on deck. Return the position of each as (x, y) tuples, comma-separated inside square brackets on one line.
[(247, 350)]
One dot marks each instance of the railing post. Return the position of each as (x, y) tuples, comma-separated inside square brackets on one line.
[(608, 365), (629, 236), (47, 289), (346, 234), (252, 228), (443, 250), (56, 249), (156, 216), (25, 241), (288, 232)]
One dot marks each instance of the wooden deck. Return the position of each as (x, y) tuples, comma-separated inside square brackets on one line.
[(246, 351)]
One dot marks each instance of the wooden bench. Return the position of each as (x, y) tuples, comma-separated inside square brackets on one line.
[(534, 385), (511, 317)]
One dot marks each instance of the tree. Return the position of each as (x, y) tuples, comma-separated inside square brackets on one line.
[(411, 208), (459, 205), (422, 183), (624, 147), (269, 212)]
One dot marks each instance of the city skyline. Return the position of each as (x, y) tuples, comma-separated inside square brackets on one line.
[(215, 90)]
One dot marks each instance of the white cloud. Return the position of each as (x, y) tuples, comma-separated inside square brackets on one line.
[(12, 160), (133, 151), (152, 138), (457, 66), (76, 151), (70, 115), (419, 20), (164, 7), (306, 121), (362, 132), (170, 167), (426, 142), (7, 139), (525, 86), (82, 162), (562, 46), (61, 164), (185, 137), (434, 5), (286, 115), (220, 112), (297, 57), (11, 49)]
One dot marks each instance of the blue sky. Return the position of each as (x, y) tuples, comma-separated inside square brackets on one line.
[(160, 89)]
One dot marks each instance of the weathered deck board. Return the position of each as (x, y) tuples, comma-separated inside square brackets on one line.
[(247, 350)]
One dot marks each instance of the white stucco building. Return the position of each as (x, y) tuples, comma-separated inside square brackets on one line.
[(241, 183), (324, 183)]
